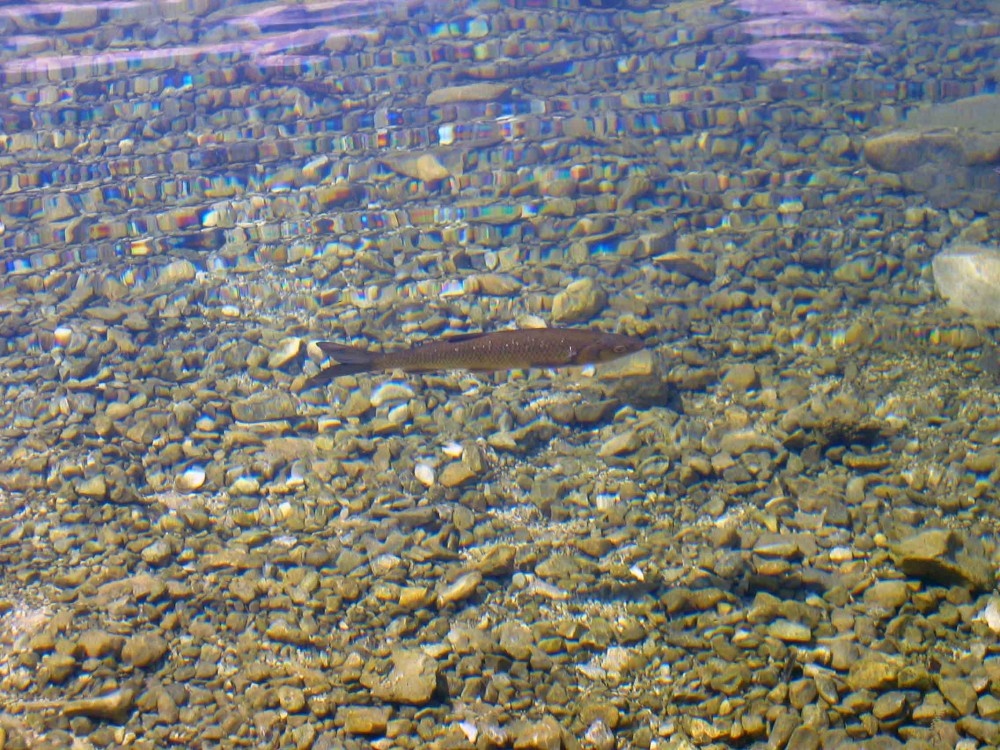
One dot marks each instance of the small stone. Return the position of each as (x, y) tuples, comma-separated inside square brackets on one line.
[(968, 277), (887, 596), (473, 92), (985, 461), (889, 705), (177, 272), (268, 405), (625, 442), (95, 487), (498, 561), (424, 474), (987, 732), (959, 693), (391, 392), (98, 643), (498, 284), (144, 649), (579, 302), (56, 668), (425, 167), (461, 588), (245, 486), (364, 719), (157, 553), (113, 707), (516, 640), (539, 735), (287, 350), (291, 699), (988, 707), (789, 631), (414, 597), (741, 378), (455, 474), (190, 480), (741, 441), (412, 680), (873, 673)]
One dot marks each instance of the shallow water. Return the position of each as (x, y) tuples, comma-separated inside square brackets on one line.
[(693, 544)]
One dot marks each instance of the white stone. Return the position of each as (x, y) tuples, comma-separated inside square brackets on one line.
[(968, 277)]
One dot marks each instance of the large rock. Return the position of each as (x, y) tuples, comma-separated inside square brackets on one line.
[(947, 152), (968, 277), (945, 557)]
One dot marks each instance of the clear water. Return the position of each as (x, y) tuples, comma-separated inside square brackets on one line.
[(186, 187)]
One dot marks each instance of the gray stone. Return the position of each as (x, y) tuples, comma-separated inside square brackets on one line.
[(944, 556), (412, 680), (144, 649)]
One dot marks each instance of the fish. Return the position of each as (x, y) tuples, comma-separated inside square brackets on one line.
[(518, 349)]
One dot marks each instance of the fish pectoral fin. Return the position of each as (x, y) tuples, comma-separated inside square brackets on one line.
[(348, 355)]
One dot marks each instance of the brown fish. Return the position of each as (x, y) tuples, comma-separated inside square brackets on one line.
[(501, 350)]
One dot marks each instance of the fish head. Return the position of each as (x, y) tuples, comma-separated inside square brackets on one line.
[(609, 346)]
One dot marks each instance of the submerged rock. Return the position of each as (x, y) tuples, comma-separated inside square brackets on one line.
[(968, 277), (947, 152)]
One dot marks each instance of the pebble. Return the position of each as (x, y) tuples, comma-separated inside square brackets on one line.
[(424, 474), (425, 167), (96, 487), (390, 392), (144, 649), (265, 406), (539, 735), (367, 720), (98, 643), (625, 442), (792, 632), (580, 301), (157, 553), (461, 588), (191, 479), (286, 350), (113, 706), (412, 680), (741, 377), (473, 92), (873, 673), (959, 693), (455, 474)]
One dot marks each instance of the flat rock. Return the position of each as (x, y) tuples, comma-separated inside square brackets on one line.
[(474, 92), (946, 151), (114, 706), (425, 167), (580, 301), (968, 277), (144, 649), (873, 672), (412, 680), (539, 735), (945, 557), (364, 719), (267, 406)]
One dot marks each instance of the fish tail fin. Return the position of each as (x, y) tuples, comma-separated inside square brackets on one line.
[(350, 361)]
